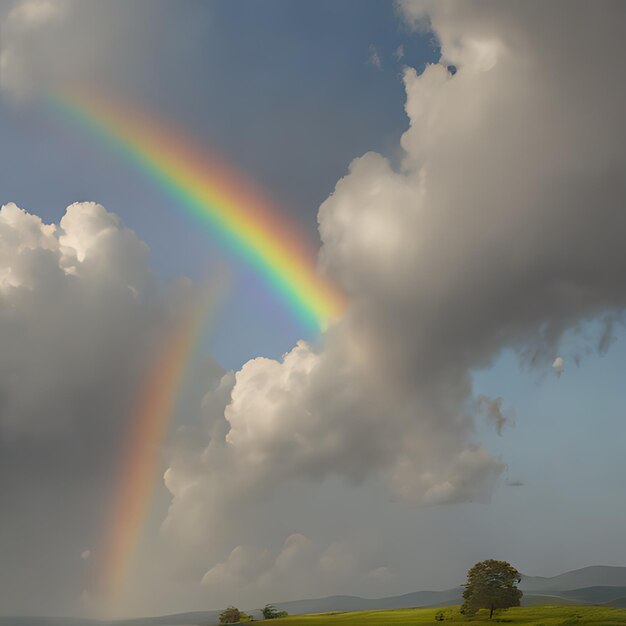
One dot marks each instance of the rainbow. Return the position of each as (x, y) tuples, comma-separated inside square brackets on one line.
[(136, 477), (252, 229), (218, 197)]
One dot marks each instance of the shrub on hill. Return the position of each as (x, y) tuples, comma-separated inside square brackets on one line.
[(232, 615), (271, 612)]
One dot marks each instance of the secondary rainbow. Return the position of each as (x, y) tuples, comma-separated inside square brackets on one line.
[(219, 197), (136, 478)]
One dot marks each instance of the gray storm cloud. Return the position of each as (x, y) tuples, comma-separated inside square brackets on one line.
[(502, 228), (80, 314)]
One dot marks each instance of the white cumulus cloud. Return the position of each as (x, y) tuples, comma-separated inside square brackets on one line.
[(80, 316)]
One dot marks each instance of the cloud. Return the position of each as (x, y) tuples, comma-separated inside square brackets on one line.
[(295, 565), (46, 45), (374, 58), (380, 574), (80, 316), (33, 14), (242, 566), (501, 229), (23, 30), (399, 53), (491, 408), (558, 365)]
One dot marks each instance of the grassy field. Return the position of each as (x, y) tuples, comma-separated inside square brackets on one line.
[(536, 615)]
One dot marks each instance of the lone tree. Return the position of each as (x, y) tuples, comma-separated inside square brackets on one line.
[(491, 585)]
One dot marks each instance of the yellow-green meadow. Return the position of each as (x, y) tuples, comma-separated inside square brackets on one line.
[(535, 615)]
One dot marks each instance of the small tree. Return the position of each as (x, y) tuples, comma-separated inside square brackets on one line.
[(271, 612), (231, 615), (491, 585)]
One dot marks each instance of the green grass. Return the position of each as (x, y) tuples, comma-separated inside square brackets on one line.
[(536, 615)]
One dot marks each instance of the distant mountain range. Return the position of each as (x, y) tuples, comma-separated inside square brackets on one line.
[(355, 603), (595, 576), (590, 585)]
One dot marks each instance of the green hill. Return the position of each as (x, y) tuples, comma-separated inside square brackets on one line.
[(535, 615), (595, 595)]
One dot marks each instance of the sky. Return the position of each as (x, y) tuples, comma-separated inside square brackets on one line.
[(457, 169)]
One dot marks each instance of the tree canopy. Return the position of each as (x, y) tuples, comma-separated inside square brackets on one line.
[(271, 612), (491, 585), (232, 615)]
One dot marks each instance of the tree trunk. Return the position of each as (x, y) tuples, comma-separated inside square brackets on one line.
[(491, 611)]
